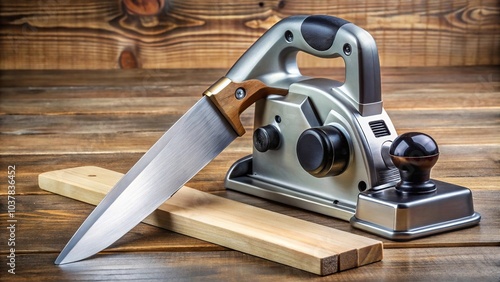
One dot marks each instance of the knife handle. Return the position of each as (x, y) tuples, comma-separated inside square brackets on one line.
[(232, 98), (272, 58)]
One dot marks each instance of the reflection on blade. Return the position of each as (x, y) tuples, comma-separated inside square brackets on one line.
[(191, 143)]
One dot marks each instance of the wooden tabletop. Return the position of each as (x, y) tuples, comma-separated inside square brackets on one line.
[(60, 119)]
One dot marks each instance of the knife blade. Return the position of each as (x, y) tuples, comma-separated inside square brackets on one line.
[(190, 144), (268, 67)]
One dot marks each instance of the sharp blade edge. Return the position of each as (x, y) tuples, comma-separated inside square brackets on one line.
[(188, 146)]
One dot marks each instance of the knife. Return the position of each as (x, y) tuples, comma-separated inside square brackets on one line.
[(268, 67)]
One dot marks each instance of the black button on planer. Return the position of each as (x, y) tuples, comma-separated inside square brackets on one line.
[(323, 151)]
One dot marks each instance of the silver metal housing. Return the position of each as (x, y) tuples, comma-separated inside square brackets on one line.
[(390, 214), (364, 193), (278, 175)]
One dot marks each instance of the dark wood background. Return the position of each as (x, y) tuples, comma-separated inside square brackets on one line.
[(56, 119), (111, 34)]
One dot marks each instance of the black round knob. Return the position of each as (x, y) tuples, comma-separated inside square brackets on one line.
[(266, 138), (323, 151), (414, 154)]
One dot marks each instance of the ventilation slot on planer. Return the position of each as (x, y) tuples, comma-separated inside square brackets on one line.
[(379, 128)]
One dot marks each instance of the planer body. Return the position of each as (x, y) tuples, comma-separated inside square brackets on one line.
[(277, 174), (326, 145)]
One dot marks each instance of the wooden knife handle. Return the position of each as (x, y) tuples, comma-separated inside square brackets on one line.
[(233, 98)]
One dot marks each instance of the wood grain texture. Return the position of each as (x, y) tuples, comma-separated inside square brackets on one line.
[(52, 120), (206, 34), (60, 217), (419, 264), (115, 116), (297, 243)]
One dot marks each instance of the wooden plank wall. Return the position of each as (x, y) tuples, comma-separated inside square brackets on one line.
[(111, 34)]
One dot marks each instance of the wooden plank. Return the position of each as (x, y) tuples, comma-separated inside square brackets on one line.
[(301, 244), (479, 173), (132, 79), (419, 264), (111, 114), (468, 94), (478, 78), (193, 33), (59, 217), (134, 142), (395, 96), (437, 104), (210, 179)]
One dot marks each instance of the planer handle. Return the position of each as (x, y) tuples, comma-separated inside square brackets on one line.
[(272, 59)]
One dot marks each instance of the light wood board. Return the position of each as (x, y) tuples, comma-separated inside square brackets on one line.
[(301, 244)]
